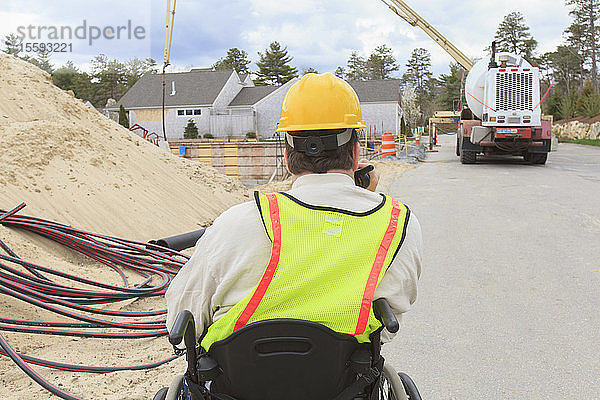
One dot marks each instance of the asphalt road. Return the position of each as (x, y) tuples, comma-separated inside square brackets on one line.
[(509, 296)]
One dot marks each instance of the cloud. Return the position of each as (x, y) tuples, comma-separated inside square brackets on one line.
[(320, 34)]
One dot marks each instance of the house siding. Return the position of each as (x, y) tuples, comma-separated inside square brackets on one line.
[(231, 89), (381, 117), (174, 124), (268, 110)]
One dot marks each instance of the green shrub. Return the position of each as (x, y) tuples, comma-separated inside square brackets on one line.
[(251, 135), (590, 105), (123, 120), (568, 107), (208, 136), (191, 130)]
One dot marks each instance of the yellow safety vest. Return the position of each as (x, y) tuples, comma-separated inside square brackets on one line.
[(325, 266)]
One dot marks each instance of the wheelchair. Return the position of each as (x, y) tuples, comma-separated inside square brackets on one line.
[(287, 359)]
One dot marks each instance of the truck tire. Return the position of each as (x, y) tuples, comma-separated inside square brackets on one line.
[(468, 157), (458, 144), (538, 158)]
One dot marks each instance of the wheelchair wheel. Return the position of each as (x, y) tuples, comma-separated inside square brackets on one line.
[(409, 386), (176, 389), (390, 385), (161, 394)]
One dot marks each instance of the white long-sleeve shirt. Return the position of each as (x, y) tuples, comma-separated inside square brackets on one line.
[(231, 256)]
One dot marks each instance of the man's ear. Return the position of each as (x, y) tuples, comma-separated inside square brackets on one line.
[(285, 156), (355, 155)]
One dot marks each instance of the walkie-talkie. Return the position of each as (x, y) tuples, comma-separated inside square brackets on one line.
[(361, 176)]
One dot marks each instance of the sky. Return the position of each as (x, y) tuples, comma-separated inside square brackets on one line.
[(318, 34)]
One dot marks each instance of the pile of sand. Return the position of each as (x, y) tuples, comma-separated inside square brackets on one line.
[(71, 164)]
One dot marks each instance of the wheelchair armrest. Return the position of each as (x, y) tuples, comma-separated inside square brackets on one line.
[(180, 328), (185, 329), (383, 312)]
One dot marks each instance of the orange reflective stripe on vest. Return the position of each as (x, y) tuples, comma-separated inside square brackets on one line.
[(271, 268), (384, 247)]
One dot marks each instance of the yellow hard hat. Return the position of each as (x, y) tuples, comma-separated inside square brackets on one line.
[(320, 101)]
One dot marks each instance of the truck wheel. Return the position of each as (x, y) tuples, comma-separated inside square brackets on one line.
[(538, 158), (468, 157), (458, 143)]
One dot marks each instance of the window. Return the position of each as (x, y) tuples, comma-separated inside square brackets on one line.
[(189, 112)]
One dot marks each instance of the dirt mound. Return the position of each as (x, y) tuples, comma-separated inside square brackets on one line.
[(73, 165), (580, 118)]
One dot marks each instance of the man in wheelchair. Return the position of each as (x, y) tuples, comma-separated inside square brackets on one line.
[(281, 288)]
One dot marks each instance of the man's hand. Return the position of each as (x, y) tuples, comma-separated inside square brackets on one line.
[(373, 175)]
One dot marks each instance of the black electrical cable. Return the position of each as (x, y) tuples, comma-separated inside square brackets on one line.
[(72, 296), (91, 369), (32, 374)]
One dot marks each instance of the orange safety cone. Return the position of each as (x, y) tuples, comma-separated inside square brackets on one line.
[(418, 140)]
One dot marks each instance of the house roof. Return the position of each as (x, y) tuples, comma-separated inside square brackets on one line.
[(196, 87), (251, 95), (376, 90)]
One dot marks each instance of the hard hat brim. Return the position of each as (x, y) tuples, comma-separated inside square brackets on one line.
[(318, 127)]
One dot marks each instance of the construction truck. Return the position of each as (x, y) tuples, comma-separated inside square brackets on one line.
[(503, 114), (499, 104)]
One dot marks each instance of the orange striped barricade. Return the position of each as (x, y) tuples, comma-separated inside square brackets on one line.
[(388, 145)]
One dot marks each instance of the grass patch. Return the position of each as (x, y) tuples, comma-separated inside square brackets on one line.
[(587, 142)]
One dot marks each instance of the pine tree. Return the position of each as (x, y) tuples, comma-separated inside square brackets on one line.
[(123, 119), (356, 68), (136, 68), (576, 41), (513, 36), (309, 70), (191, 130), (381, 63), (109, 79), (418, 69), (565, 67), (587, 100), (273, 68), (235, 59), (586, 30), (12, 45), (43, 60), (340, 72), (450, 86), (68, 77)]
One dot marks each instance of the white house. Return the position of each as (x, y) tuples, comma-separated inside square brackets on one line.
[(225, 103)]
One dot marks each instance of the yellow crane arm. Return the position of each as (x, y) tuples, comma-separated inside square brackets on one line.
[(169, 31), (410, 16)]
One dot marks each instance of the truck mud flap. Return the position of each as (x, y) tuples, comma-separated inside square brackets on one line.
[(468, 146), (545, 148)]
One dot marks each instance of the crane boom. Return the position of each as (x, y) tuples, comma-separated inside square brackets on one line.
[(410, 16)]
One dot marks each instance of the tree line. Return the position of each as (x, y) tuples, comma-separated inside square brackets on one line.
[(108, 78), (571, 68)]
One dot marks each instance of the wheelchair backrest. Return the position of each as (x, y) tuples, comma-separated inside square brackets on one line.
[(284, 359)]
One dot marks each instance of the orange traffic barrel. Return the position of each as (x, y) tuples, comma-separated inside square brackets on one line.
[(388, 145)]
